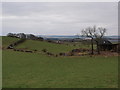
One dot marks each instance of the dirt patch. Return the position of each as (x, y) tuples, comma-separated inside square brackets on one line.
[(84, 52), (108, 53)]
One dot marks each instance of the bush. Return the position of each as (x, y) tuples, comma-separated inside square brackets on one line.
[(44, 50)]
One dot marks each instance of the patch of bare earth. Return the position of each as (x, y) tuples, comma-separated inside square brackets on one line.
[(108, 53)]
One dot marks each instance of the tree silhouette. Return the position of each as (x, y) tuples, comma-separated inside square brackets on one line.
[(95, 34)]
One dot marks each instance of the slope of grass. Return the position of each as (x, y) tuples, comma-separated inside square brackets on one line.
[(8, 40), (51, 47), (0, 40), (32, 70), (36, 70)]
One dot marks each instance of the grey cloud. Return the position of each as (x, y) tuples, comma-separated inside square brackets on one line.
[(58, 18)]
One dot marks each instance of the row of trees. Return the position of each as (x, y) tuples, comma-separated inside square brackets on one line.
[(24, 36), (96, 34)]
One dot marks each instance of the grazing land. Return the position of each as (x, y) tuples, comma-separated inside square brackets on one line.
[(8, 40), (51, 47), (37, 70)]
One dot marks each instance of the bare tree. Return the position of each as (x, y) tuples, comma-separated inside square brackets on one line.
[(95, 34), (88, 32), (98, 34)]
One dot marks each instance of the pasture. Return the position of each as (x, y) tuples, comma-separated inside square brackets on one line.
[(51, 47), (37, 70), (8, 40)]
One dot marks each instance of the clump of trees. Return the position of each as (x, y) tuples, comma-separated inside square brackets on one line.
[(24, 36), (96, 34)]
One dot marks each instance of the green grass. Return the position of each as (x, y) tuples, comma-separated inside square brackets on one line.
[(36, 70), (51, 47), (30, 70), (8, 40)]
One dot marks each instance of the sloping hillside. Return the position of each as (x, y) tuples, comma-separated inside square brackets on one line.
[(37, 70), (51, 47), (8, 40)]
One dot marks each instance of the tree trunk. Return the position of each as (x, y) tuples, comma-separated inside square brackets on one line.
[(98, 50), (92, 46)]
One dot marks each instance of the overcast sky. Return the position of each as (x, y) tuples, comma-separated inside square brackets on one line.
[(58, 18)]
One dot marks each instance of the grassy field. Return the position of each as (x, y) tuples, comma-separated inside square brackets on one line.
[(51, 47), (35, 70), (8, 40)]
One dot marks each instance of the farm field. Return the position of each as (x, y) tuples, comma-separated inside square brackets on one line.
[(8, 40), (37, 70), (51, 47)]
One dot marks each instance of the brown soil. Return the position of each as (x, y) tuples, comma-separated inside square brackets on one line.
[(108, 53)]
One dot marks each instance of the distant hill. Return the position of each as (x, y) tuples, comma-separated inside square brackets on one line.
[(57, 37)]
